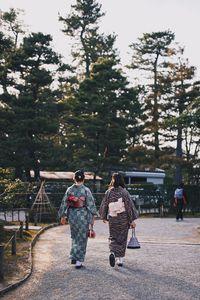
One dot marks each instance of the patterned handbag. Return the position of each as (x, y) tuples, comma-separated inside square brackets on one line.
[(133, 242)]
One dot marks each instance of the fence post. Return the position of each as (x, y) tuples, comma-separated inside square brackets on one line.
[(26, 222), (21, 230), (5, 215), (161, 210), (1, 261), (139, 210), (14, 243), (35, 219)]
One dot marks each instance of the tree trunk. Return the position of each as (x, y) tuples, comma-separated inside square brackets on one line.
[(18, 172), (156, 114), (179, 155)]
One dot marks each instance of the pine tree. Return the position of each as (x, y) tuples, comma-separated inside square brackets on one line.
[(150, 55), (82, 26), (180, 92), (27, 75), (36, 107), (8, 42), (105, 114)]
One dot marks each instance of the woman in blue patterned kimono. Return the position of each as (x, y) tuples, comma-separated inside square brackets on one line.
[(118, 208), (79, 207)]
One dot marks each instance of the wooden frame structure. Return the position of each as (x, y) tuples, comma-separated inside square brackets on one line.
[(41, 204)]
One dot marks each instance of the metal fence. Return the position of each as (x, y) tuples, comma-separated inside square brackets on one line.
[(147, 198)]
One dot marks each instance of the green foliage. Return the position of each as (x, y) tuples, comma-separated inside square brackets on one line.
[(169, 90), (56, 116), (149, 54), (180, 92), (32, 111), (82, 25), (150, 48), (191, 116), (104, 110), (138, 157), (14, 194)]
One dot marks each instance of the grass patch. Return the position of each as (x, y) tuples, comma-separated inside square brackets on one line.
[(16, 266)]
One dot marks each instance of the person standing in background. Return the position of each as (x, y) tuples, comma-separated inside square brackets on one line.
[(79, 207), (179, 201), (118, 209)]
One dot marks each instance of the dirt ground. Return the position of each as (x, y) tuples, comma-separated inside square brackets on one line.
[(18, 266)]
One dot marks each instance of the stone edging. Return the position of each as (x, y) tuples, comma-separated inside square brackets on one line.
[(33, 242)]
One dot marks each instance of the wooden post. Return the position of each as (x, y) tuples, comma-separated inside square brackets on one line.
[(1, 261), (5, 215), (35, 219), (14, 243), (26, 222), (161, 210), (21, 230), (139, 210)]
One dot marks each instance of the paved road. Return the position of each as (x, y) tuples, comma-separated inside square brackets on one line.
[(166, 266)]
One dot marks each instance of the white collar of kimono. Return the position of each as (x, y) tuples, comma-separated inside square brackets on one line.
[(78, 183)]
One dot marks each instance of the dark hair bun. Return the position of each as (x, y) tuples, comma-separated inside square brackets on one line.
[(79, 175)]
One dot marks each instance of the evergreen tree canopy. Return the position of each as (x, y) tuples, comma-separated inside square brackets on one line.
[(105, 113), (151, 53), (82, 25), (179, 92), (31, 103)]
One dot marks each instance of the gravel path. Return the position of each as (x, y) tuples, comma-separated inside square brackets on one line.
[(166, 266)]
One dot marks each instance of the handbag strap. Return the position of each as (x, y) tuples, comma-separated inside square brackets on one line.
[(133, 232), (91, 227)]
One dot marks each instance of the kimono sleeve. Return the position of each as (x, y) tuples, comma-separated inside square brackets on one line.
[(91, 206), (103, 210), (62, 212), (130, 207)]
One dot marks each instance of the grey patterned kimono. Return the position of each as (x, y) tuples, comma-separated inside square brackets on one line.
[(79, 219), (118, 225)]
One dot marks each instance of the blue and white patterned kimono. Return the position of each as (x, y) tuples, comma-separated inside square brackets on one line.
[(79, 219)]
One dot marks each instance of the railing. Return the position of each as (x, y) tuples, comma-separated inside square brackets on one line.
[(13, 242), (145, 205), (1, 261)]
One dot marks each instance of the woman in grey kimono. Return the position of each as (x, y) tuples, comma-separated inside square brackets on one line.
[(118, 209), (79, 207)]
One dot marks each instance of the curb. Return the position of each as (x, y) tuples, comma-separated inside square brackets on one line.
[(33, 242)]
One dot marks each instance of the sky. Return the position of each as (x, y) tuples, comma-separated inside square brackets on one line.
[(128, 19)]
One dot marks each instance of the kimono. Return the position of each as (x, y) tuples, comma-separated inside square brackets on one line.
[(120, 211), (79, 219)]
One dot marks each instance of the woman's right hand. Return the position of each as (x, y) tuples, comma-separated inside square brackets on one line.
[(63, 221), (132, 224)]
